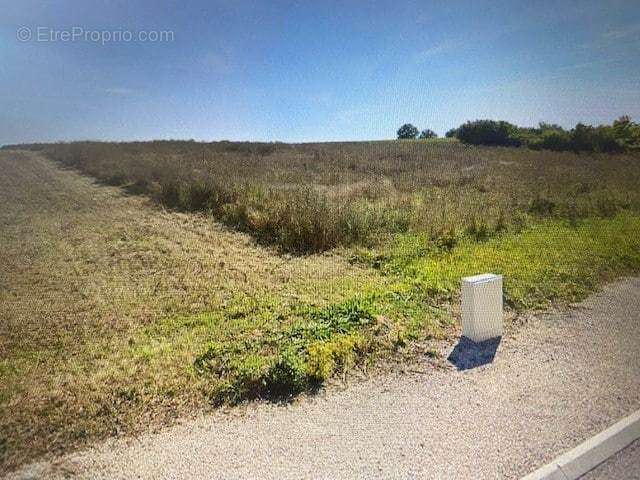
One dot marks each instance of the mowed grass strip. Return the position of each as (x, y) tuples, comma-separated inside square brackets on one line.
[(121, 316)]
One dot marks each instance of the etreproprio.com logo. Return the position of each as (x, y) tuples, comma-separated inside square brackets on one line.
[(43, 34)]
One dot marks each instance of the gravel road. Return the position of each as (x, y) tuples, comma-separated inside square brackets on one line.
[(555, 381)]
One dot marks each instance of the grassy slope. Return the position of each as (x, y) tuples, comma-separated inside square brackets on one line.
[(142, 315)]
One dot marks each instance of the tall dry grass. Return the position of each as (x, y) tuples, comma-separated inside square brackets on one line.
[(313, 197)]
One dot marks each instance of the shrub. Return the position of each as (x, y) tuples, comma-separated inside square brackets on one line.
[(116, 179), (556, 140), (287, 376), (585, 138), (321, 363), (299, 220), (339, 353), (250, 371), (170, 194), (622, 135), (488, 132), (627, 133), (200, 196), (426, 134), (605, 140), (407, 131)]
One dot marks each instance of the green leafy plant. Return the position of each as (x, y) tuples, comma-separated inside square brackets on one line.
[(407, 131)]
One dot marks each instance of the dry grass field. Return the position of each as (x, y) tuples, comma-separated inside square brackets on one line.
[(184, 275), (313, 197)]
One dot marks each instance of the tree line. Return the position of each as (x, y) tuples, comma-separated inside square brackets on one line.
[(622, 135), (408, 131)]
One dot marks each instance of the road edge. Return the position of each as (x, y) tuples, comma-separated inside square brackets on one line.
[(592, 452)]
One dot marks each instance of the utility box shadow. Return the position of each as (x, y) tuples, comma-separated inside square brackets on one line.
[(468, 354)]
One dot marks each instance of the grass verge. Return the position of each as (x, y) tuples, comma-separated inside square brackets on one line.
[(550, 262)]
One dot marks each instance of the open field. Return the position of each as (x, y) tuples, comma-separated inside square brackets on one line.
[(313, 197), (119, 314)]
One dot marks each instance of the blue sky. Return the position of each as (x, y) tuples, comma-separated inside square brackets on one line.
[(313, 71)]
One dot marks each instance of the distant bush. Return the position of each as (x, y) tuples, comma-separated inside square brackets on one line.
[(623, 135), (453, 133), (407, 131), (427, 133), (556, 140), (585, 138), (582, 138), (627, 133), (488, 132)]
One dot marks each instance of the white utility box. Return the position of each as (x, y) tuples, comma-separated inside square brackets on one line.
[(482, 307)]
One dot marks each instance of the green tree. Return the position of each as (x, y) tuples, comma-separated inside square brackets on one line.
[(407, 131), (545, 127), (427, 133), (585, 138), (453, 133), (489, 132), (627, 132), (551, 139)]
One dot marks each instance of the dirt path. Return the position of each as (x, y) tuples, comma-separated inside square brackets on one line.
[(554, 382)]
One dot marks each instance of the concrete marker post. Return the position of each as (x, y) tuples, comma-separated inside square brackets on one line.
[(482, 307)]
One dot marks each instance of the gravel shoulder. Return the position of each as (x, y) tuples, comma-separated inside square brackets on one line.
[(556, 380)]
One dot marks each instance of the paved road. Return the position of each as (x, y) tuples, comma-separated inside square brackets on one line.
[(625, 465), (555, 381)]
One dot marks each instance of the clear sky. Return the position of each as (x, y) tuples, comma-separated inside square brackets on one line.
[(310, 71)]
